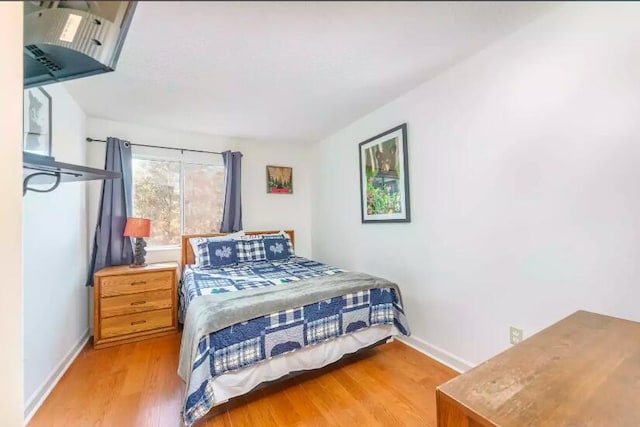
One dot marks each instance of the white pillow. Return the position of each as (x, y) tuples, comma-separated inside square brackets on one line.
[(277, 233), (194, 241)]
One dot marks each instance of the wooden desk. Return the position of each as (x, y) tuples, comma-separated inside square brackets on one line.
[(583, 371)]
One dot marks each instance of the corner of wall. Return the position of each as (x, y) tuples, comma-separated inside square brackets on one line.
[(11, 307)]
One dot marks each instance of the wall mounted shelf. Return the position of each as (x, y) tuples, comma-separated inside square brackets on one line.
[(44, 170)]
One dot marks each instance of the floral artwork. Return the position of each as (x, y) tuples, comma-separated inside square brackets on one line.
[(384, 184)]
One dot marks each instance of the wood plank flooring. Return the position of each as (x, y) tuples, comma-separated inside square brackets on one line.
[(137, 385)]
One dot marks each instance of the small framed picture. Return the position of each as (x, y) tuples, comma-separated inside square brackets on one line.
[(384, 177), (279, 180), (37, 121)]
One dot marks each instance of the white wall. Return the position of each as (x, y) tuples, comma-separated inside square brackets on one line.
[(261, 211), (11, 362), (525, 182), (56, 312)]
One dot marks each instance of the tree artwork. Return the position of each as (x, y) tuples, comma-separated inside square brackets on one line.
[(279, 179)]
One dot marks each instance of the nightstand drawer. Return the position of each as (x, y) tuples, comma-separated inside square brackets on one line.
[(135, 303), (135, 283), (139, 322)]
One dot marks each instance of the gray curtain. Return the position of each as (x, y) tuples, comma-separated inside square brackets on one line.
[(232, 211), (110, 247)]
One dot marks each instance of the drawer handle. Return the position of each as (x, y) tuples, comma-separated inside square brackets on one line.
[(142, 282), (139, 322), (138, 303)]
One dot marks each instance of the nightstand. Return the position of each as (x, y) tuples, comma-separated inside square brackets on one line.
[(131, 304)]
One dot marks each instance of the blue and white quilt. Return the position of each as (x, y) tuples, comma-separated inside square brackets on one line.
[(248, 275), (256, 340)]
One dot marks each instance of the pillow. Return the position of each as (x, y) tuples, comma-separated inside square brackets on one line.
[(217, 253), (195, 240), (279, 233), (251, 248), (278, 247)]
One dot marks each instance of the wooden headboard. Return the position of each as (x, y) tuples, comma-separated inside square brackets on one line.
[(188, 257)]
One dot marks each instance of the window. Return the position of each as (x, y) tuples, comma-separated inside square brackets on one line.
[(203, 197), (181, 194)]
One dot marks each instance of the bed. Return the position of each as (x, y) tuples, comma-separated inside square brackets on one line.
[(258, 321)]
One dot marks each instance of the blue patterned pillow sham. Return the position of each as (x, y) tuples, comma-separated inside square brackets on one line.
[(251, 249), (195, 241), (216, 254), (278, 247)]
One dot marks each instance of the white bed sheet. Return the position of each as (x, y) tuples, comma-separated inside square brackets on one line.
[(237, 383)]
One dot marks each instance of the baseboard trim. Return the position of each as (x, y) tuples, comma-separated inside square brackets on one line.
[(435, 352), (38, 397)]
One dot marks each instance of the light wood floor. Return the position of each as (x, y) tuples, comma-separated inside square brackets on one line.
[(137, 385)]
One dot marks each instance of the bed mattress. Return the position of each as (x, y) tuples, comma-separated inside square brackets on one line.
[(231, 361)]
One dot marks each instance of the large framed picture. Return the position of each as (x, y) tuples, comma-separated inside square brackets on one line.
[(37, 121), (279, 179), (384, 177)]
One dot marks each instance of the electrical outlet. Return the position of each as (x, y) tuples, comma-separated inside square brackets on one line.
[(515, 335)]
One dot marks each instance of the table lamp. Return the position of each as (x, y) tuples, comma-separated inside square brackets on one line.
[(138, 228)]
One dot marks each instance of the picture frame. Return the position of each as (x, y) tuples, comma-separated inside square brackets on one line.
[(384, 177), (37, 112), (279, 179)]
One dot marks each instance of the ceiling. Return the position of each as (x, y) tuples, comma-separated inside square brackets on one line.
[(285, 71)]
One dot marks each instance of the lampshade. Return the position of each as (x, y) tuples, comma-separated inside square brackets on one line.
[(137, 227)]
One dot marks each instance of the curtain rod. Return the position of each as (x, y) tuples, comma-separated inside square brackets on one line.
[(158, 146)]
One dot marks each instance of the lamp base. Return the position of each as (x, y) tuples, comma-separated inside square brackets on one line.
[(138, 265), (139, 253)]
